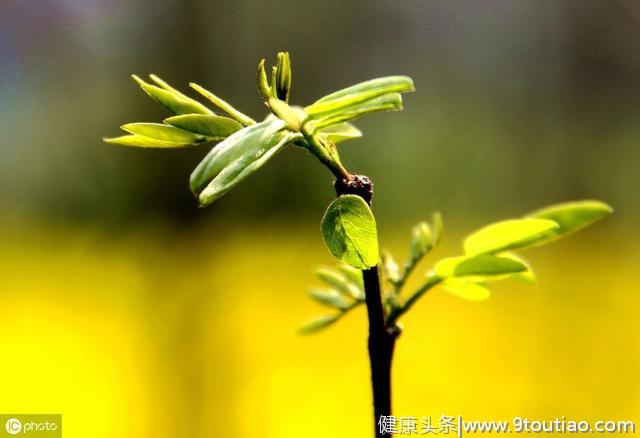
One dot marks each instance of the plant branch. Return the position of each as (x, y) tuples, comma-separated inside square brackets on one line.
[(406, 273), (325, 154), (381, 343), (432, 280), (382, 337)]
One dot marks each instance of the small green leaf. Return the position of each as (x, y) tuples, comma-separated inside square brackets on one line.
[(159, 131), (341, 132), (241, 168), (161, 83), (437, 227), (527, 276), (572, 216), (349, 231), (274, 73), (237, 157), (223, 105), (483, 265), (360, 93), (390, 267), (329, 298), (172, 99), (508, 235), (215, 127), (421, 240), (354, 276), (377, 86), (387, 102), (340, 282), (144, 142), (263, 82), (318, 324), (471, 291)]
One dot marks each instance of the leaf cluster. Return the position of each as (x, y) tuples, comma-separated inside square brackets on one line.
[(488, 256), (245, 145)]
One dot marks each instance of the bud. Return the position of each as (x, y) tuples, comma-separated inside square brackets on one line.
[(283, 77), (438, 227), (339, 282), (421, 241), (391, 268)]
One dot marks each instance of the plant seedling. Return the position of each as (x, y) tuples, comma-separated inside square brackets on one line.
[(364, 275)]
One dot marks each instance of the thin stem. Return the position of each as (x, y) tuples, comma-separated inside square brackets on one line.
[(324, 154), (350, 307), (432, 280), (408, 269)]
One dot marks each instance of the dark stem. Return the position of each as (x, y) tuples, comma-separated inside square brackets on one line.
[(382, 339)]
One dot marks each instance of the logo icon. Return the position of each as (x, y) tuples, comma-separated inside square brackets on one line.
[(13, 426)]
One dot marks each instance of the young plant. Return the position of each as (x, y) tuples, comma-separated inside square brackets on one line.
[(348, 226)]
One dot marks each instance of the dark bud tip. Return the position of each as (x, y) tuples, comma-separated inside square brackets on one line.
[(282, 94), (359, 185)]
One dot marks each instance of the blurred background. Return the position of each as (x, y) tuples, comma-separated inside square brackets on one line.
[(134, 313)]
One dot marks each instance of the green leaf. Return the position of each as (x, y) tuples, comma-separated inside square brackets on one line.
[(390, 267), (172, 99), (215, 127), (237, 157), (144, 142), (508, 235), (467, 290), (318, 324), (263, 82), (329, 298), (240, 169), (377, 86), (163, 84), (437, 227), (387, 102), (527, 276), (354, 276), (483, 265), (572, 216), (340, 282), (360, 93), (349, 231), (421, 240), (159, 131), (341, 132), (223, 105)]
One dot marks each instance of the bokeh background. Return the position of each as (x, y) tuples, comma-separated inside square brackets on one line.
[(134, 313)]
